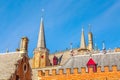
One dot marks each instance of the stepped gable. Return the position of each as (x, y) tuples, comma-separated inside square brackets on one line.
[(7, 64), (108, 59)]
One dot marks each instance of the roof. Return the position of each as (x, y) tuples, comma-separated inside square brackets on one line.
[(7, 64), (91, 62), (108, 59), (65, 57)]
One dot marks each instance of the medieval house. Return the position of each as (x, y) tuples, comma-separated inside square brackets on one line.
[(15, 65), (81, 63)]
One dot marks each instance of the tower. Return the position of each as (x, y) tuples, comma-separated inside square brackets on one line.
[(90, 39), (83, 44), (41, 53)]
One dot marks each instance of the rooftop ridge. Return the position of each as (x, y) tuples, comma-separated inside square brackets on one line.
[(59, 52), (10, 53), (99, 53)]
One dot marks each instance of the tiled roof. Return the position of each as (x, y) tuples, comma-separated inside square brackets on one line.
[(7, 64)]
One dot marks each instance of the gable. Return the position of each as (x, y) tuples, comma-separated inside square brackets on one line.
[(11, 64), (8, 63)]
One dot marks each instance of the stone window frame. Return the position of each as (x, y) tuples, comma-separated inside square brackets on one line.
[(25, 69)]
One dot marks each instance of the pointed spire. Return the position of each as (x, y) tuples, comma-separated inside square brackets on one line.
[(83, 44), (41, 37), (103, 45), (95, 47)]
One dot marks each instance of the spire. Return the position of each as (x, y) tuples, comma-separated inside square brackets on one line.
[(41, 37), (103, 45), (83, 44)]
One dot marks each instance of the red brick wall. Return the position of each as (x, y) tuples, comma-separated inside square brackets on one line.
[(23, 71)]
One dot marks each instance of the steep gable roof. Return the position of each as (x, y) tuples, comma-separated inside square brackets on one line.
[(7, 64)]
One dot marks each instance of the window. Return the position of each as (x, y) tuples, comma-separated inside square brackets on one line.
[(25, 67)]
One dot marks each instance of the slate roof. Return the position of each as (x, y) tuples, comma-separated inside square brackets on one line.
[(7, 64), (108, 59)]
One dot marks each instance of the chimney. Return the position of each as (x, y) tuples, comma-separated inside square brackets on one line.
[(24, 44)]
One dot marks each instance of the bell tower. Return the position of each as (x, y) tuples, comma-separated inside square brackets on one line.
[(41, 53)]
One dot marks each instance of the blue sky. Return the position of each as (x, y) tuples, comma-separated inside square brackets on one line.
[(63, 20)]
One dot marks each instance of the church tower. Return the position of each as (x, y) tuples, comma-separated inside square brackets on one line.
[(90, 39), (41, 53)]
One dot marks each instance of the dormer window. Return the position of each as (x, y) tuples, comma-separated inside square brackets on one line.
[(91, 63)]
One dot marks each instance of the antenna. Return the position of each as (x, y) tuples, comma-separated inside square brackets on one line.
[(7, 50), (94, 39)]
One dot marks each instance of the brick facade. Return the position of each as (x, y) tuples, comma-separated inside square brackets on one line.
[(23, 71)]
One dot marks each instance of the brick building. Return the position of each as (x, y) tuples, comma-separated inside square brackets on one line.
[(15, 65), (83, 63)]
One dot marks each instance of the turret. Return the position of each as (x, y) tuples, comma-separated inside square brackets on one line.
[(90, 40)]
